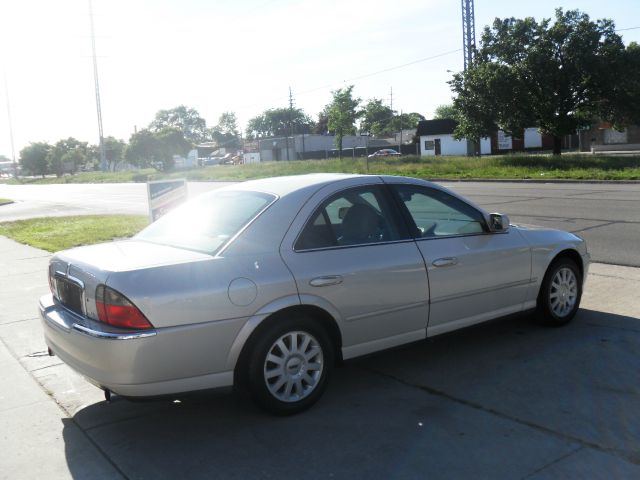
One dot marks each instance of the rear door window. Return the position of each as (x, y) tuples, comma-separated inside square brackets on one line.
[(356, 216)]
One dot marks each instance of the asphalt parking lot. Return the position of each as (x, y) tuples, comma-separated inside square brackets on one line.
[(508, 399)]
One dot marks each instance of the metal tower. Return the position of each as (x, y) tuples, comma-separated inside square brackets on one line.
[(468, 31), (103, 157)]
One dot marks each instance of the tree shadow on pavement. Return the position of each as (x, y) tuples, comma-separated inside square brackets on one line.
[(500, 400)]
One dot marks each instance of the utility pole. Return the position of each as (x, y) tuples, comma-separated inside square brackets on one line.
[(13, 150), (103, 157), (290, 132), (469, 45)]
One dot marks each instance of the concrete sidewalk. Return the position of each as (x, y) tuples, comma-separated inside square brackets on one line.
[(32, 444), (504, 400)]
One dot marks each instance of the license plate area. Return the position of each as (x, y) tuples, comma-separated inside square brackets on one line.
[(69, 294)]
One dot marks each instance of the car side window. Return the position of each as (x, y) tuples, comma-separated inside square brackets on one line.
[(354, 216), (438, 214)]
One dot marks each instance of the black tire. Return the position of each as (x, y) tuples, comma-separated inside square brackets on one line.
[(563, 310), (293, 368)]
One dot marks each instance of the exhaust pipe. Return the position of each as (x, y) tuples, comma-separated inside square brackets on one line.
[(107, 395), (50, 352)]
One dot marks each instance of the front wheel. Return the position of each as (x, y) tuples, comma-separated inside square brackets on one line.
[(289, 366), (560, 294)]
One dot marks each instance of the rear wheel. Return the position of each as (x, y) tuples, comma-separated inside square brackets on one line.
[(289, 366), (560, 294)]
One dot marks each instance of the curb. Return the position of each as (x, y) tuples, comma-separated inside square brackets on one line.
[(530, 180)]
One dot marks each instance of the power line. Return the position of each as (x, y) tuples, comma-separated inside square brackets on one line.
[(359, 77), (625, 29)]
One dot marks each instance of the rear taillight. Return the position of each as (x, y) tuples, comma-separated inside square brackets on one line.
[(115, 309)]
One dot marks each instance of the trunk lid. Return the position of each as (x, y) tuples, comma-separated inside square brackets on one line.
[(75, 274)]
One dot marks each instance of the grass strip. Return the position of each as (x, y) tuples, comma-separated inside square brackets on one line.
[(5, 201), (59, 233), (503, 167)]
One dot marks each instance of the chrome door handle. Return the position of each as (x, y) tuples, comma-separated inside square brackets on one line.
[(326, 281), (445, 262)]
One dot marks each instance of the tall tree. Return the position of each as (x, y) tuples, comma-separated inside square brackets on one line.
[(58, 160), (406, 121), (623, 107), (147, 148), (143, 149), (114, 151), (377, 118), (446, 111), (187, 120), (556, 76), (343, 113), (279, 122), (322, 125), (226, 132), (33, 158)]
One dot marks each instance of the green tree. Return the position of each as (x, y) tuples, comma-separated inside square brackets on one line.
[(377, 118), (185, 119), (406, 120), (58, 164), (226, 133), (322, 125), (113, 151), (147, 148), (445, 111), (279, 122), (556, 76), (33, 158), (623, 107), (343, 113), (143, 149)]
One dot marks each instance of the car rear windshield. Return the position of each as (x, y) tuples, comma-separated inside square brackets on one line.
[(207, 222)]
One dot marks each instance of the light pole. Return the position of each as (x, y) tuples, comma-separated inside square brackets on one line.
[(13, 150), (103, 156)]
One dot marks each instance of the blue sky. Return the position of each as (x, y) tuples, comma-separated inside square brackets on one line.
[(234, 55)]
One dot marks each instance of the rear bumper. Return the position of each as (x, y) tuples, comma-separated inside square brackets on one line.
[(135, 363)]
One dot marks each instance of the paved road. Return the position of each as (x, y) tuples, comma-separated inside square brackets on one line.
[(607, 215)]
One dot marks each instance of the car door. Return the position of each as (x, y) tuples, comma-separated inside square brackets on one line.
[(350, 254), (474, 274)]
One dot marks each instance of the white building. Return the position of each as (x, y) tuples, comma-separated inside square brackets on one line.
[(436, 138)]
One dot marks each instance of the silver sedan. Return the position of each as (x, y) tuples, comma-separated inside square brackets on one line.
[(265, 285)]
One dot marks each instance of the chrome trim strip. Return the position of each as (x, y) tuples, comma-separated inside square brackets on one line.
[(387, 311), (54, 320), (459, 235), (482, 290), (356, 245), (112, 336)]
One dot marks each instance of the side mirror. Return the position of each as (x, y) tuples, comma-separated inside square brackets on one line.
[(498, 222)]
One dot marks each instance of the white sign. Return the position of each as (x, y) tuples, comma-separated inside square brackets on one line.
[(164, 195), (504, 141)]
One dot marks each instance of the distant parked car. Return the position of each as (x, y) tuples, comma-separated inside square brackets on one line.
[(385, 152), (266, 284)]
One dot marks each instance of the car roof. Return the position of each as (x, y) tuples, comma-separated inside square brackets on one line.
[(282, 186)]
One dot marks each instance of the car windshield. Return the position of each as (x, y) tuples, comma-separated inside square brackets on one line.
[(207, 222)]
